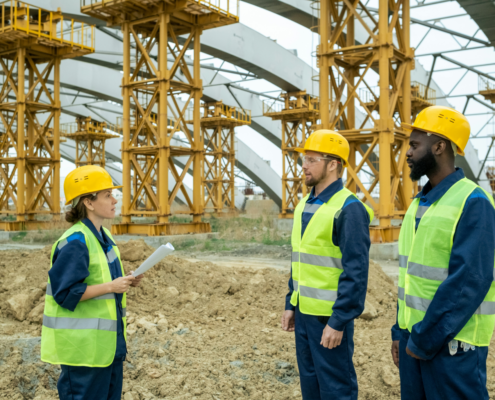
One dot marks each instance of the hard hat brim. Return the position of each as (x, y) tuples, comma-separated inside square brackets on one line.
[(410, 128), (101, 190)]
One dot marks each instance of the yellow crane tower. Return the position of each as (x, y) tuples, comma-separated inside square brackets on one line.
[(218, 130), (33, 41), (378, 141), (299, 114), (90, 137), (157, 77)]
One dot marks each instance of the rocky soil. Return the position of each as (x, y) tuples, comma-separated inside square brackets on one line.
[(196, 330)]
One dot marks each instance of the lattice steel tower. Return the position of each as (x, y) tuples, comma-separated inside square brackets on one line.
[(90, 137), (33, 41), (299, 114), (156, 35), (218, 130), (378, 141)]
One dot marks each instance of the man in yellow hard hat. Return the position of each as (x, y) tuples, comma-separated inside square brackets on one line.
[(329, 275), (446, 301)]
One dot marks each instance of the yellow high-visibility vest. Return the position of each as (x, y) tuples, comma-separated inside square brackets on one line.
[(316, 260), (424, 256), (88, 335)]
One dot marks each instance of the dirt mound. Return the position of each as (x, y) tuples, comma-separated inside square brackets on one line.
[(196, 330)]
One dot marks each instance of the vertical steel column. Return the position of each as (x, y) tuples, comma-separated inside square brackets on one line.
[(164, 151), (325, 27), (126, 128), (21, 153), (386, 123), (56, 140), (198, 145), (407, 183), (30, 183)]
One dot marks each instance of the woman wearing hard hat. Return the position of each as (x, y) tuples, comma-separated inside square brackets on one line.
[(84, 322)]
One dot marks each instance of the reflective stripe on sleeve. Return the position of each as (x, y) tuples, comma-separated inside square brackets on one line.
[(403, 261), (108, 296), (318, 294), (62, 244), (80, 323), (321, 261), (423, 271)]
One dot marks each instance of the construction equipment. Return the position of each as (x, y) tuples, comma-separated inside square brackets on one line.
[(299, 114), (344, 67), (33, 41), (486, 88), (159, 33), (218, 125), (90, 137)]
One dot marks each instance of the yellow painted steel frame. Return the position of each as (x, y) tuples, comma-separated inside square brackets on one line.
[(218, 131), (299, 115), (90, 137), (147, 153), (343, 68), (33, 41)]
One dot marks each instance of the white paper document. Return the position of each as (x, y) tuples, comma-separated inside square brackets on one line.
[(163, 251)]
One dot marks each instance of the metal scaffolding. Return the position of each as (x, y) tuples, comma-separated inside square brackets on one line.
[(90, 137), (33, 41), (154, 31), (344, 66), (218, 125), (299, 114)]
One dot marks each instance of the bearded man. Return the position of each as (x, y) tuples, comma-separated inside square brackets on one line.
[(329, 275), (446, 300)]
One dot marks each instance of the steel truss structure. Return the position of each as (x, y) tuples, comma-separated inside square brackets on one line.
[(344, 66), (153, 27), (33, 41), (218, 131), (90, 137), (299, 114)]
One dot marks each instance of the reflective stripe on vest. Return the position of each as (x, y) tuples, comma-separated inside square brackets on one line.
[(80, 323), (86, 336), (316, 261), (424, 263)]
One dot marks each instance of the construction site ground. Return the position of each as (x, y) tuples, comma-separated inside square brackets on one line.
[(204, 324)]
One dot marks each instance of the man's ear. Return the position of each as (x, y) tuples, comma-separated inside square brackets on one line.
[(439, 147)]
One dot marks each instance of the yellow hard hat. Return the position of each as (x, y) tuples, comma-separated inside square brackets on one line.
[(445, 122), (85, 180), (327, 142)]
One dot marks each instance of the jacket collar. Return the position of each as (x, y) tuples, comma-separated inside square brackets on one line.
[(103, 238), (431, 195)]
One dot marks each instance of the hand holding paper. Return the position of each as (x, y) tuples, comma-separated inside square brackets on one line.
[(163, 251)]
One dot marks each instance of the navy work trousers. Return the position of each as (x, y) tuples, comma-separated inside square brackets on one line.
[(325, 374), (85, 383), (444, 377)]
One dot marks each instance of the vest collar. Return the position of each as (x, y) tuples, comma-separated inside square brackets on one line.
[(103, 238), (435, 194), (327, 193)]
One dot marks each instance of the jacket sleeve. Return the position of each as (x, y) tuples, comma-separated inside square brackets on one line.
[(470, 277), (396, 328), (288, 306), (69, 270), (353, 237)]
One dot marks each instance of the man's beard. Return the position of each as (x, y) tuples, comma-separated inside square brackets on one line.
[(423, 166), (314, 181)]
